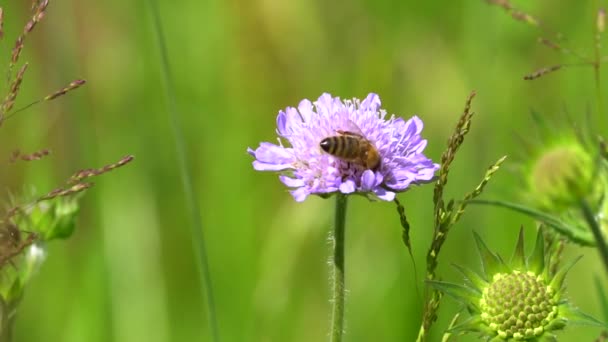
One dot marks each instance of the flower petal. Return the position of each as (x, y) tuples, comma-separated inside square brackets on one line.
[(300, 194), (306, 110), (348, 187), (271, 157), (383, 194), (281, 123), (414, 124), (259, 166), (371, 102), (368, 180), (291, 182)]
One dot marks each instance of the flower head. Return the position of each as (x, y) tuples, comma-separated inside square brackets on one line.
[(564, 169), (522, 300), (363, 130), (564, 173)]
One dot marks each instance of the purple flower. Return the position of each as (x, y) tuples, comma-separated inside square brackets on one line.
[(308, 169)]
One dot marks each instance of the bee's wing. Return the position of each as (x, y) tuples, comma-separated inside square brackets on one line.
[(351, 128)]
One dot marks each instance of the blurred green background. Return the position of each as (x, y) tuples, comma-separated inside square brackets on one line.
[(129, 271)]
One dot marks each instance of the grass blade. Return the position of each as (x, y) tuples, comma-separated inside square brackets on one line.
[(198, 238)]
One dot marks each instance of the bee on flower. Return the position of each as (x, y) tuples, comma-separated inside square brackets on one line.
[(345, 146)]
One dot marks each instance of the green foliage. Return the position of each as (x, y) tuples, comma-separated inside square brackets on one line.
[(55, 219), (575, 231), (603, 299)]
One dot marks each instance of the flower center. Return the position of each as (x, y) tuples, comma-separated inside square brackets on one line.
[(518, 305)]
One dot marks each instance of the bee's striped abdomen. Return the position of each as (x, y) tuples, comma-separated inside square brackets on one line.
[(352, 148), (345, 147), (338, 146)]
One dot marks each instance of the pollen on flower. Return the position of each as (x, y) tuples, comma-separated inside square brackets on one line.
[(383, 155)]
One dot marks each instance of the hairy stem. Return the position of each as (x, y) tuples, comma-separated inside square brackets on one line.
[(337, 317)]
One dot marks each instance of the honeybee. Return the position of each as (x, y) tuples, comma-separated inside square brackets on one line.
[(352, 147)]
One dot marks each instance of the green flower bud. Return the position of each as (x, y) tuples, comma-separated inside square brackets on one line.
[(517, 304), (52, 219), (516, 301), (562, 175)]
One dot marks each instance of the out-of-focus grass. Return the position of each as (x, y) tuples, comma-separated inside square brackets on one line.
[(128, 273)]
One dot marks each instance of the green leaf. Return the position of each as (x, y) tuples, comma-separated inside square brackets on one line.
[(577, 317), (576, 234), (536, 262), (518, 260), (54, 218), (492, 264), (447, 335), (463, 294), (14, 292), (548, 338), (558, 280), (471, 324), (603, 297), (65, 212), (472, 276)]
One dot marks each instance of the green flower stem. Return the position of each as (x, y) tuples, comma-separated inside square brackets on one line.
[(602, 247), (7, 330), (7, 319), (337, 318)]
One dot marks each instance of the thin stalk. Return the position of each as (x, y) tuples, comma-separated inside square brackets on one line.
[(596, 65), (337, 317), (598, 87), (198, 238), (6, 335), (602, 247)]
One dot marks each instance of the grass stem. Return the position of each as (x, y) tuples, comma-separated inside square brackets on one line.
[(198, 238)]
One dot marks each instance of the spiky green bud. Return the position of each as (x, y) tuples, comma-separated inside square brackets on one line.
[(562, 175), (515, 301)]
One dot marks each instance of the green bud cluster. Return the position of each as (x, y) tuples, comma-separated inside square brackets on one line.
[(518, 305), (563, 175), (521, 300)]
